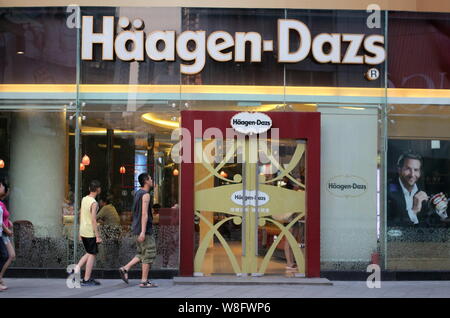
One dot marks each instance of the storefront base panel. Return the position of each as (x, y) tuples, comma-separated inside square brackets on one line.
[(386, 275), (249, 280), (353, 266)]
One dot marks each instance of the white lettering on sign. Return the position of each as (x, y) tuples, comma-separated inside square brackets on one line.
[(251, 123), (250, 198), (133, 44)]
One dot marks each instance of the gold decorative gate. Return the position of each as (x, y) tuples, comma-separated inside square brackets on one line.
[(250, 199)]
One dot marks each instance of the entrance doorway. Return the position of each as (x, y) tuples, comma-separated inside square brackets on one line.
[(250, 203)]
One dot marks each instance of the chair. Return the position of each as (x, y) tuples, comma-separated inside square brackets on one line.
[(23, 231)]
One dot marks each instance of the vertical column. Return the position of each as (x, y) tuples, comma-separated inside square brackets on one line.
[(109, 158), (151, 155), (250, 161), (38, 157)]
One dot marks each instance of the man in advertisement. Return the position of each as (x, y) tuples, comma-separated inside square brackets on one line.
[(409, 204)]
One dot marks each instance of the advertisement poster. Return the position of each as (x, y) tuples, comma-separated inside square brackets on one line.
[(418, 188)]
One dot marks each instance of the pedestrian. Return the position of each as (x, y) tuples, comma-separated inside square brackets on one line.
[(3, 250), (7, 232), (110, 229), (142, 228), (89, 233)]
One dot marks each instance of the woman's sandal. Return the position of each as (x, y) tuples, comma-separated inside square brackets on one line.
[(148, 284), (3, 285), (123, 274)]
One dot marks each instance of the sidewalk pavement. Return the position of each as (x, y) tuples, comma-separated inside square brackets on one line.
[(57, 288)]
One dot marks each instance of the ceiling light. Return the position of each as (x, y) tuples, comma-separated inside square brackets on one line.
[(152, 119)]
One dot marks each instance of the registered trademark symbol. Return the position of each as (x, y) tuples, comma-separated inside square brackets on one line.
[(372, 74)]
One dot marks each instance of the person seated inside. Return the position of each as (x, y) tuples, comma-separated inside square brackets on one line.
[(155, 212), (110, 230), (68, 204), (107, 215)]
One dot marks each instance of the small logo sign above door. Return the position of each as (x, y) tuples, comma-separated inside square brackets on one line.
[(251, 123)]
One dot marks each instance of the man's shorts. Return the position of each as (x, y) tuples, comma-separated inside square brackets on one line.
[(146, 251), (90, 245)]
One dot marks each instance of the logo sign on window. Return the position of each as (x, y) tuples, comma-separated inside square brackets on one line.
[(251, 123), (347, 186), (250, 198)]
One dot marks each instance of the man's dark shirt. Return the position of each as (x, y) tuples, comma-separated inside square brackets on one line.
[(397, 214), (137, 214)]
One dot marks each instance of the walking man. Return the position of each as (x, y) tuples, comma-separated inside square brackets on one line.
[(142, 228), (89, 233)]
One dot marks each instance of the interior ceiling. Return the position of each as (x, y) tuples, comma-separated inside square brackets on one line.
[(132, 121)]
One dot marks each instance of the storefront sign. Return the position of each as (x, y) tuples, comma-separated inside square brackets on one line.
[(132, 44), (251, 123), (250, 198), (347, 186)]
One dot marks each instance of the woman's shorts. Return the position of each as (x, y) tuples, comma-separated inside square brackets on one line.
[(6, 239)]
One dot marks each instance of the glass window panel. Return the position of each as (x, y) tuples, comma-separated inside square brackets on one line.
[(121, 145)]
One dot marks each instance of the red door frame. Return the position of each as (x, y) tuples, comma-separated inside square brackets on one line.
[(296, 125)]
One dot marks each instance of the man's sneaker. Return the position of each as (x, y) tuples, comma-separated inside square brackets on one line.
[(90, 282)]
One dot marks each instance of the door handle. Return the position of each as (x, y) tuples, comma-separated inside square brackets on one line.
[(256, 208)]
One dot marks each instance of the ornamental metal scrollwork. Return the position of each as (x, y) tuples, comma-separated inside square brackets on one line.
[(218, 200)]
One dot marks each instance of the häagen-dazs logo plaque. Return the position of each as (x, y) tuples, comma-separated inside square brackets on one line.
[(251, 123), (250, 198), (347, 186)]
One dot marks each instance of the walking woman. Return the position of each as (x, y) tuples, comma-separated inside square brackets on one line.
[(7, 232), (3, 251)]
